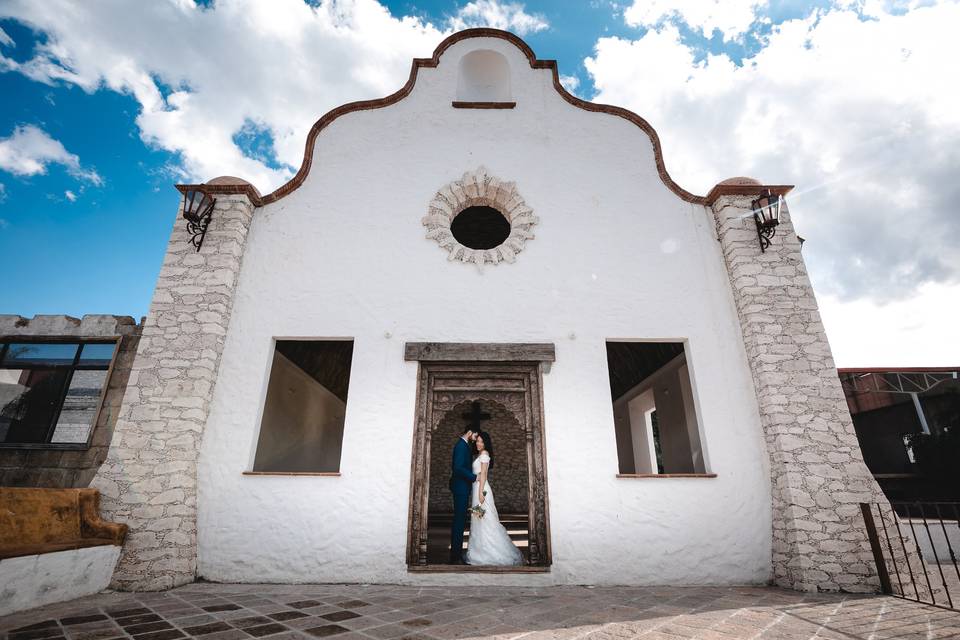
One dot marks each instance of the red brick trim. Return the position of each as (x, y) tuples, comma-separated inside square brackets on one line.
[(666, 475), (432, 62), (897, 369), (225, 189), (746, 190), (321, 474), (483, 105)]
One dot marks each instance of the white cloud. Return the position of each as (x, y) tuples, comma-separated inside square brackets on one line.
[(70, 195), (5, 39), (855, 113), (920, 331), (29, 150), (201, 75), (731, 17), (3, 192), (570, 83), (511, 16)]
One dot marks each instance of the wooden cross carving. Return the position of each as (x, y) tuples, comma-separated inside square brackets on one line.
[(475, 415)]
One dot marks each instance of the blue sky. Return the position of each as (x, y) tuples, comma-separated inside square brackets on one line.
[(106, 105), (102, 252)]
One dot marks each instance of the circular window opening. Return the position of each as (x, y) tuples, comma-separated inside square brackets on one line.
[(480, 228)]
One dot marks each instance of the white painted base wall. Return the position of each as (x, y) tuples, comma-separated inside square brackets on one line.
[(34, 581)]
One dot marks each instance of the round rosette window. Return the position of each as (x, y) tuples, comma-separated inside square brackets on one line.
[(480, 219)]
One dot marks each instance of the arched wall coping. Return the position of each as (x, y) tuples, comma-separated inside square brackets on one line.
[(432, 62)]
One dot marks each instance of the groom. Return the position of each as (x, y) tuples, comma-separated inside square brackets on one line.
[(461, 481)]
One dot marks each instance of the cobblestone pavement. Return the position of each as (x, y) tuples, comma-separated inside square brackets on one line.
[(357, 612)]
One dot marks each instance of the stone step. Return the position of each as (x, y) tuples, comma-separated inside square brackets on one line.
[(438, 536)]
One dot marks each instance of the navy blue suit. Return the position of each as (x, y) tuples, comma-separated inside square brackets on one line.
[(461, 480)]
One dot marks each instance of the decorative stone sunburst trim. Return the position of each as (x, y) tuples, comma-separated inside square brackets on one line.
[(478, 188)]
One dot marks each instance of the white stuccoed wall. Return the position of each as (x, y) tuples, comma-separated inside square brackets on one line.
[(616, 255), (33, 581)]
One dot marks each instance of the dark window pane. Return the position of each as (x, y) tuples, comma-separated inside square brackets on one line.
[(97, 354), (480, 227), (53, 353), (29, 398), (79, 407)]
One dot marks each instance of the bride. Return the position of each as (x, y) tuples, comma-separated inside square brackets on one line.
[(490, 543)]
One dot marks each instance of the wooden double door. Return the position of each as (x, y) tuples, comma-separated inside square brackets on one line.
[(509, 376)]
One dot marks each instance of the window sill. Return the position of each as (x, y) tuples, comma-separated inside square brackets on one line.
[(666, 475), (323, 474), (483, 105)]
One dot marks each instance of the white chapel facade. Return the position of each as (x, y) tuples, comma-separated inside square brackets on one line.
[(484, 246)]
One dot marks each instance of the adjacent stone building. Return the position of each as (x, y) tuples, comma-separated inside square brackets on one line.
[(64, 449), (483, 247)]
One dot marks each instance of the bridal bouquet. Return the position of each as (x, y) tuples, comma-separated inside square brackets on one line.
[(477, 510)]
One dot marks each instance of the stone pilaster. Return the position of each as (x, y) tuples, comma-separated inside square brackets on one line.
[(149, 480), (818, 473)]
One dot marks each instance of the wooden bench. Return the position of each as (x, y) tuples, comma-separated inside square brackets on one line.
[(35, 521)]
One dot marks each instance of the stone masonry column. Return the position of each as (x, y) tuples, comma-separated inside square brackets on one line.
[(818, 474), (149, 480)]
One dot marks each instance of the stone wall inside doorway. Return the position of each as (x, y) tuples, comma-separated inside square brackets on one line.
[(508, 478)]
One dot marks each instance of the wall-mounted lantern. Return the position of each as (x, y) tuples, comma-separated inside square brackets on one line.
[(766, 213), (197, 209)]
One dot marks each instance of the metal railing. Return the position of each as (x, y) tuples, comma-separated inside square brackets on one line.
[(917, 544)]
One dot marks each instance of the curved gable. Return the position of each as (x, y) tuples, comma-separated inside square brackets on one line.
[(432, 62)]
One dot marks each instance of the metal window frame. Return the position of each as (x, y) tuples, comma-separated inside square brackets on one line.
[(6, 341)]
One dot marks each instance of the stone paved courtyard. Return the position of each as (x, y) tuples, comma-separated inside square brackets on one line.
[(356, 612)]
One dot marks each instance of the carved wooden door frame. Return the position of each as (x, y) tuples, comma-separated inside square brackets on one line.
[(483, 369)]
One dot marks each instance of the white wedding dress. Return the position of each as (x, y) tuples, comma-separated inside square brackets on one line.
[(490, 543)]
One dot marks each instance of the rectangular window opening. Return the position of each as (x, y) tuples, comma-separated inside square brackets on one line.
[(654, 412), (50, 392), (303, 414)]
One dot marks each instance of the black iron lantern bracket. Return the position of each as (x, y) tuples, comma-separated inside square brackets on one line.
[(766, 215), (197, 211)]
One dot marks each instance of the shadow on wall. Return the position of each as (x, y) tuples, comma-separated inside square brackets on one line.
[(484, 77)]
